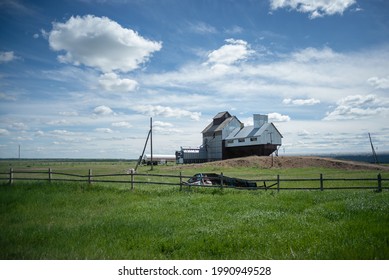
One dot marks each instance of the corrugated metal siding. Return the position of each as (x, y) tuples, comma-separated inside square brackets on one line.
[(226, 137), (213, 146), (267, 134)]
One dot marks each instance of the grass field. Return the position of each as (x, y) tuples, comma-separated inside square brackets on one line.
[(39, 220)]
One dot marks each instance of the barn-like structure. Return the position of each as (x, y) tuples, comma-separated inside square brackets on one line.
[(226, 137)]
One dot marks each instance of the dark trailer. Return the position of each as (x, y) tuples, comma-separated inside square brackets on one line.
[(208, 179)]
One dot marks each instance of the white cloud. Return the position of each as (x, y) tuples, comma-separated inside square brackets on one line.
[(62, 132), (277, 117), (379, 83), (7, 97), (7, 57), (58, 122), (315, 8), (69, 113), (39, 133), (123, 124), (104, 130), (23, 138), (230, 53), (301, 102), (165, 128), (15, 6), (358, 107), (303, 132), (112, 82), (322, 74), (4, 132), (202, 28), (100, 43), (157, 110), (162, 124), (313, 54), (317, 71), (18, 126), (102, 110), (234, 30)]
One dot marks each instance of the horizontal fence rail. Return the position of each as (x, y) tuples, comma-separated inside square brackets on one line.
[(133, 178)]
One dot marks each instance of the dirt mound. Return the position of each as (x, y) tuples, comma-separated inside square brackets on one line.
[(293, 162)]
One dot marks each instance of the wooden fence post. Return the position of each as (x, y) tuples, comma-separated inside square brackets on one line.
[(221, 180), (379, 179), (11, 176), (278, 183), (180, 181), (90, 176), (50, 175), (321, 182), (132, 179)]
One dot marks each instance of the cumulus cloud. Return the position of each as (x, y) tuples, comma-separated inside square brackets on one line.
[(322, 73), (230, 53), (62, 132), (69, 113), (4, 132), (358, 107), (123, 124), (300, 102), (58, 122), (104, 130), (379, 83), (315, 8), (162, 124), (100, 43), (7, 57), (18, 126), (39, 133), (157, 110), (102, 110), (112, 82), (165, 127), (277, 117)]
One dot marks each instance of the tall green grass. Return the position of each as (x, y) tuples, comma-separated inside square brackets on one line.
[(99, 221)]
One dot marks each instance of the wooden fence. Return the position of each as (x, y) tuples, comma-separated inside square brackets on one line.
[(132, 179)]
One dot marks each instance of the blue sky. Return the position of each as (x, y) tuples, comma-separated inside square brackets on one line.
[(80, 79)]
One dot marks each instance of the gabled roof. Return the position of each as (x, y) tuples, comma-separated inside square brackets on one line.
[(220, 121), (211, 128), (222, 114)]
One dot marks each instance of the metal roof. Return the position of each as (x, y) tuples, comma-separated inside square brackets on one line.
[(250, 131), (214, 128), (221, 114)]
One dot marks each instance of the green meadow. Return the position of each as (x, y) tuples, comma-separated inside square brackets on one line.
[(75, 220)]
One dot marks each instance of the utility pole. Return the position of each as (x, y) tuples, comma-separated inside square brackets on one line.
[(151, 142), (374, 153), (19, 151), (149, 135)]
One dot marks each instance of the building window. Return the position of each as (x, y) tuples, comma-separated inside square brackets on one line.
[(241, 140), (253, 139), (230, 141)]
